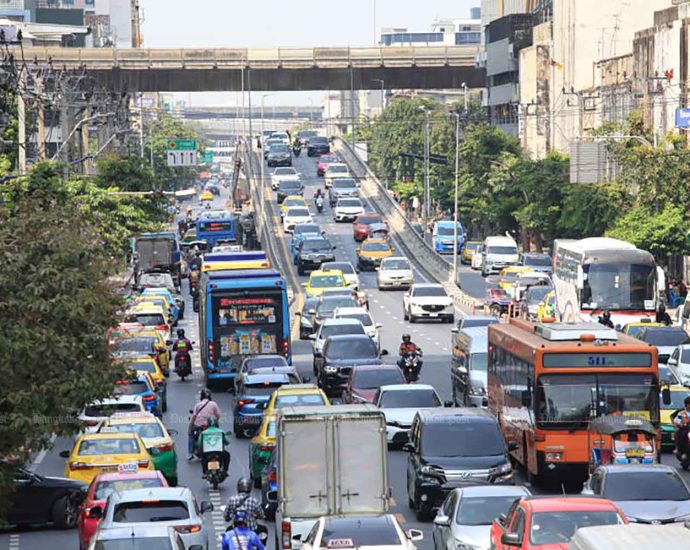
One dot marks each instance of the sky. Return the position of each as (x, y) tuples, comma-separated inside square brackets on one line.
[(281, 23)]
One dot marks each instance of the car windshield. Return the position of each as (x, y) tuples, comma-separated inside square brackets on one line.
[(472, 246), (618, 286), (462, 437), (404, 399), (482, 510), (148, 543), (315, 245), (111, 446), (371, 379), (665, 336), (260, 362), (469, 322), (298, 212), (134, 387), (337, 330), (150, 511), (329, 304), (359, 532), (290, 185), (446, 231), (285, 171), (298, 400), (106, 488), (368, 220), (537, 293), (344, 183), (350, 203), (352, 348), (639, 485), (307, 228), (363, 318), (145, 430), (559, 527), (320, 140), (427, 291), (396, 264), (337, 169), (539, 261), (502, 250), (677, 400), (375, 247), (344, 267)]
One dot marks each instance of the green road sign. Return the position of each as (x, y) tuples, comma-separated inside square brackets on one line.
[(181, 145), (207, 158)]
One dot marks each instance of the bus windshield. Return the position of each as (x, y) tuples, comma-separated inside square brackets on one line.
[(572, 400), (619, 286)]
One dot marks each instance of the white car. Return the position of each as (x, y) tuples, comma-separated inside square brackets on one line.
[(428, 301), (295, 215), (283, 173), (349, 272), (362, 315), (346, 210), (382, 532), (282, 136), (680, 359), (394, 272), (171, 506), (150, 536), (334, 327), (95, 413), (399, 403), (335, 170), (477, 259)]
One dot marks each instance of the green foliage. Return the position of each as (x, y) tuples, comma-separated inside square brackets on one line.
[(126, 173), (57, 307), (663, 234), (589, 210)]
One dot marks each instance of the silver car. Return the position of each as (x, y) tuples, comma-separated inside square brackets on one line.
[(464, 520), (166, 506), (143, 537), (394, 272)]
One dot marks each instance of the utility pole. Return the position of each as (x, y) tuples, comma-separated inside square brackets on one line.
[(455, 209), (136, 24), (85, 136), (41, 120), (249, 97), (427, 190), (141, 125), (21, 120)]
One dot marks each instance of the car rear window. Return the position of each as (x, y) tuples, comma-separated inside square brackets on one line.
[(146, 319), (139, 344), (159, 510), (298, 400), (665, 337), (146, 366), (261, 362), (130, 388), (357, 532), (149, 543), (110, 409), (264, 389), (370, 379), (113, 446), (106, 488), (146, 430), (337, 330)]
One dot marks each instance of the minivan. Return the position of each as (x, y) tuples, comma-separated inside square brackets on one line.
[(443, 237), (468, 367), (450, 448), (497, 253)]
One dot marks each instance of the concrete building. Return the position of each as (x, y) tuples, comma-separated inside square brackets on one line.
[(448, 32), (559, 68), (110, 22), (43, 34)]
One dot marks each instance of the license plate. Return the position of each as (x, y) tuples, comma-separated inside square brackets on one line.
[(635, 453), (107, 469), (214, 465), (433, 314)]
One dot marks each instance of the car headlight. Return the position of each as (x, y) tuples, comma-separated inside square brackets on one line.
[(331, 370), (477, 391), (503, 469)]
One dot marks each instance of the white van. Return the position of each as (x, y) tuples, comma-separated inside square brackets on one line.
[(498, 252)]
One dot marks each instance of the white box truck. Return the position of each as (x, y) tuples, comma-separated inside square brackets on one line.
[(331, 461)]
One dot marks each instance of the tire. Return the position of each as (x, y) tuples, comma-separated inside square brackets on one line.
[(172, 481), (239, 434), (300, 269), (257, 482), (495, 310), (451, 319), (64, 513), (215, 484), (413, 319), (405, 316)]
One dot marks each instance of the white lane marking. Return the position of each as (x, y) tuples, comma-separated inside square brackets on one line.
[(39, 458), (14, 542)]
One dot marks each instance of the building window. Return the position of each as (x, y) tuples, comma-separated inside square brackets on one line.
[(468, 37)]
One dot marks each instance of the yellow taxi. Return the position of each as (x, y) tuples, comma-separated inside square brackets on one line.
[(155, 436), (290, 201), (206, 196), (678, 395), (547, 308), (147, 364), (295, 395), (261, 447), (371, 252), (468, 251), (508, 275), (150, 316), (142, 341), (321, 280), (156, 301), (633, 329), (98, 453)]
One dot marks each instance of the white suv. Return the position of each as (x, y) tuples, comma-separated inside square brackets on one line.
[(428, 301), (347, 210)]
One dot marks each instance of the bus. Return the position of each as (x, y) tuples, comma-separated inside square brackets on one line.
[(597, 274), (213, 230), (241, 312), (546, 381)]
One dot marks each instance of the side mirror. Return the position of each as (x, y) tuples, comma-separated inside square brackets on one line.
[(206, 506), (305, 284), (408, 447), (357, 249), (64, 454), (442, 520), (461, 370), (672, 361), (384, 352), (312, 312), (511, 539), (95, 513), (333, 247), (414, 535), (378, 325), (666, 396), (526, 398)]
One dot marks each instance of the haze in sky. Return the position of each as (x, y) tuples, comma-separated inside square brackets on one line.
[(281, 23)]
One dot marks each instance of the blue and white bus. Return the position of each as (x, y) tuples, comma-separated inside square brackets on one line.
[(444, 235), (214, 230), (241, 312)]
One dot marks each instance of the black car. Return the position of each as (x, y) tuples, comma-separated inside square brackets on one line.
[(311, 253), (340, 354), (306, 318), (289, 188), (279, 155), (318, 145), (449, 448), (327, 304), (38, 499)]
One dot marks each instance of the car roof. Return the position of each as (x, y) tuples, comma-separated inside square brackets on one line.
[(339, 321), (135, 531), (565, 504), (407, 387), (376, 241), (493, 490), (132, 418), (458, 412), (375, 367), (108, 435), (618, 468), (140, 474), (151, 493), (118, 399), (298, 388)]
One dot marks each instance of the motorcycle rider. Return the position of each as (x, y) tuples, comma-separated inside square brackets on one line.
[(408, 347), (681, 422), (241, 537), (210, 441), (663, 317), (203, 410), (605, 319), (245, 502), (182, 347)]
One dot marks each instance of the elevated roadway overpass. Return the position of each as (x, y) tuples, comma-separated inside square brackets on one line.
[(273, 69)]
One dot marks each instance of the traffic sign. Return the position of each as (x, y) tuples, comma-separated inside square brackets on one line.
[(207, 158), (181, 145), (183, 158)]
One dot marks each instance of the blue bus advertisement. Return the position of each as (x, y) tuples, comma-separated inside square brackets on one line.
[(241, 312), (215, 230)]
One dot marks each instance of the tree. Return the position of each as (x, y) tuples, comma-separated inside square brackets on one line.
[(56, 307), (589, 210), (126, 173)]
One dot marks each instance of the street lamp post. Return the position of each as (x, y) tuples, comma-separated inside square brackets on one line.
[(455, 211), (427, 193)]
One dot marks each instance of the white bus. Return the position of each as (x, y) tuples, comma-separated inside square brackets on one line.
[(597, 274)]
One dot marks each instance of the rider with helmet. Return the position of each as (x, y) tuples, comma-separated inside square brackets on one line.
[(213, 440), (407, 348), (605, 319), (241, 537), (245, 502), (202, 412)]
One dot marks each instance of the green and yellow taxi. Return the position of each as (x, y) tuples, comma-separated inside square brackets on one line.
[(158, 440), (371, 252), (290, 201), (98, 453), (634, 329), (146, 363), (323, 279), (295, 395), (468, 251), (261, 447)]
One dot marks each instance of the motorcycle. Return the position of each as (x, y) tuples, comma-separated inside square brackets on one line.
[(296, 151), (261, 530), (212, 463), (319, 204), (411, 366), (183, 363)]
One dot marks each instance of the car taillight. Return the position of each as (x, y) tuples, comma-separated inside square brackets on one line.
[(165, 448), (287, 534), (266, 448), (91, 422), (79, 466), (186, 529), (149, 398), (162, 327), (211, 352), (143, 464), (273, 476), (243, 402), (286, 347)]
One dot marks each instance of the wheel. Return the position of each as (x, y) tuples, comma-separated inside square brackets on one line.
[(405, 317), (164, 405), (65, 513), (172, 481), (451, 319), (237, 431), (214, 482), (300, 269), (413, 319), (495, 310)]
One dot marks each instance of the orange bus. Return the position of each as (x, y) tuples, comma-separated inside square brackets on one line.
[(548, 380)]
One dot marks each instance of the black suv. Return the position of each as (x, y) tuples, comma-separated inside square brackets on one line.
[(311, 253), (318, 145), (449, 448), (340, 354)]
